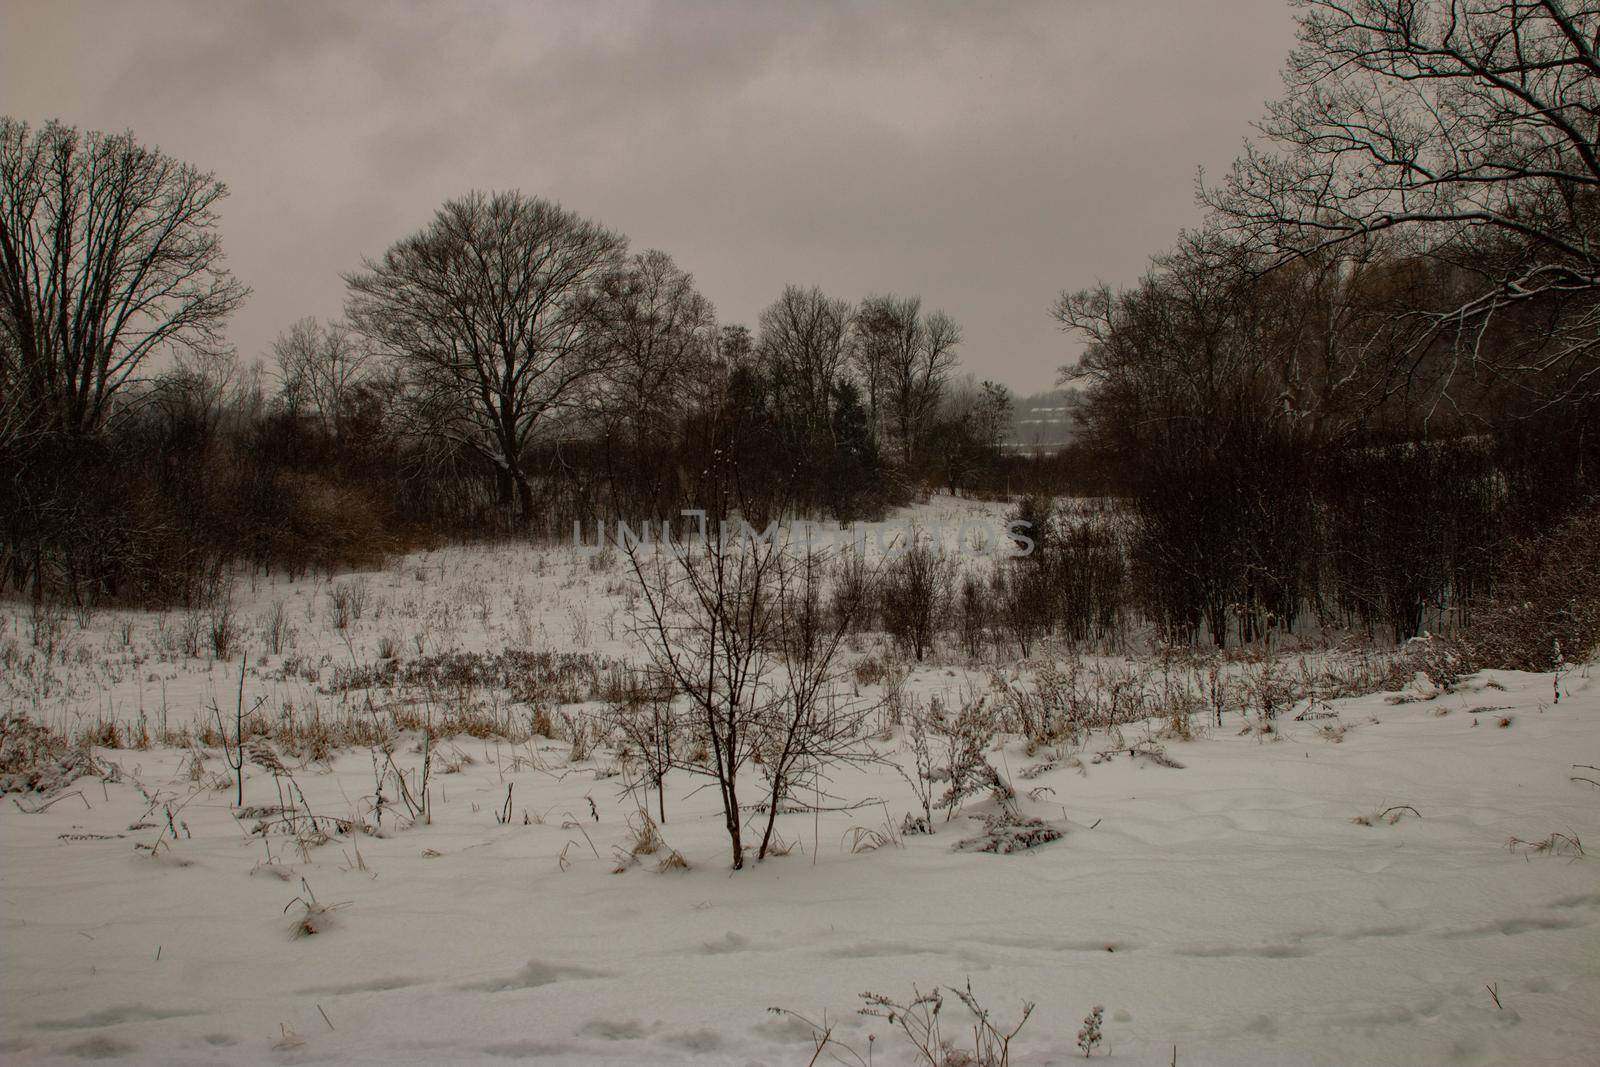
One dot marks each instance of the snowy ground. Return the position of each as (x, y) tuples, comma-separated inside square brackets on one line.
[(133, 668), (1232, 908)]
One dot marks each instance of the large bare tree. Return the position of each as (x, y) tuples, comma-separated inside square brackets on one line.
[(492, 310), (657, 327), (660, 335), (914, 355), (1458, 129), (109, 253), (805, 343), (886, 329)]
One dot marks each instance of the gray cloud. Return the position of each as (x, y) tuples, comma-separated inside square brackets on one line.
[(984, 155)]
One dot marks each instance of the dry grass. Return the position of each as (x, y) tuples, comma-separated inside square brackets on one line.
[(1389, 816), (919, 1021), (314, 917), (1556, 844), (37, 759), (510, 696)]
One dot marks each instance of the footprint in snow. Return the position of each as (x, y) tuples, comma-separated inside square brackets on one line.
[(535, 974), (374, 985), (1261, 952), (729, 942), (695, 1040), (1530, 924), (101, 1047), (614, 1029), (130, 1013), (527, 1050)]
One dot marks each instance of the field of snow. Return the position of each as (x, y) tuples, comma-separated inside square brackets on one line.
[(1342, 890)]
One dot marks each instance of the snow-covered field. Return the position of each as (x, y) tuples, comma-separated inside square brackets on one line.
[(1338, 891)]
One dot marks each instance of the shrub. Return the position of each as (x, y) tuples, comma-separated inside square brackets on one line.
[(276, 629), (852, 583), (1020, 593), (320, 523), (1086, 576), (916, 591), (347, 603), (976, 614), (1547, 606), (223, 627)]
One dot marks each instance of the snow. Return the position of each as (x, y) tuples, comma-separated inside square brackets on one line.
[(1233, 908)]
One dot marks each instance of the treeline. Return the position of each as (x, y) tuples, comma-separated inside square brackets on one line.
[(1376, 369), (1259, 498), (508, 369)]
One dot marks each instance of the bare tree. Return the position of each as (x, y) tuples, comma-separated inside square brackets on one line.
[(108, 253), (1458, 129), (805, 342), (940, 338), (913, 355), (13, 416), (492, 310), (734, 344), (320, 367), (884, 325), (730, 350), (736, 621), (658, 331), (710, 623), (658, 326)]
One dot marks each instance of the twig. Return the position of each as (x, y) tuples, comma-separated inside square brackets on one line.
[(46, 805), (576, 825)]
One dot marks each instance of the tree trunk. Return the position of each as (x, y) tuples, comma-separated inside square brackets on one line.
[(504, 488), (524, 498), (772, 818), (730, 810)]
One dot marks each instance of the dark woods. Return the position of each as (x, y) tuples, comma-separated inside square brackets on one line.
[(1278, 472), (1372, 377)]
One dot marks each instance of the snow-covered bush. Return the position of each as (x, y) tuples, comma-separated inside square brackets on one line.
[(36, 759), (966, 770), (1009, 831)]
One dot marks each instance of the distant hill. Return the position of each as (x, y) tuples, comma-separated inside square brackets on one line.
[(1044, 421)]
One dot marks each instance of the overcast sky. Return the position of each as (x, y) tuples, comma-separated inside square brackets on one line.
[(982, 155)]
